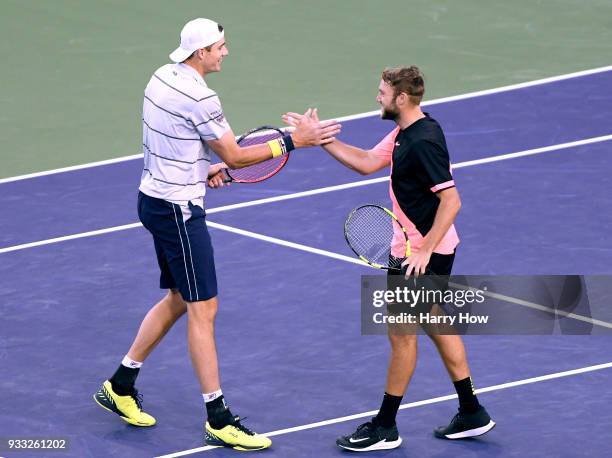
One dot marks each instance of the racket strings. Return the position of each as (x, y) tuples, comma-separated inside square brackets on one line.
[(369, 232), (262, 170)]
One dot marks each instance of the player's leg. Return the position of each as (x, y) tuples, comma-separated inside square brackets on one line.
[(222, 427), (119, 394), (381, 432), (452, 352), (193, 266), (402, 363), (472, 419), (201, 340), (156, 324)]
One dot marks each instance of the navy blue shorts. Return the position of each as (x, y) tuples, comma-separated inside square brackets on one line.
[(183, 247)]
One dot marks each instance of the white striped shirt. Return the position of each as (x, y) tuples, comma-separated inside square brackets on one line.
[(180, 112)]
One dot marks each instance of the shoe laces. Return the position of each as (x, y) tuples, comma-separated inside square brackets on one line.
[(236, 424), (457, 418), (364, 427), (137, 397)]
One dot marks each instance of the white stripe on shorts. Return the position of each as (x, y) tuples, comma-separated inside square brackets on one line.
[(183, 248), (191, 258)]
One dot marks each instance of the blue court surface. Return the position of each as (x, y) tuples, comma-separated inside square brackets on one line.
[(292, 357)]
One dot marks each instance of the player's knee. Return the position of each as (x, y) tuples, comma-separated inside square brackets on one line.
[(203, 311), (175, 297), (446, 340), (400, 340), (176, 302)]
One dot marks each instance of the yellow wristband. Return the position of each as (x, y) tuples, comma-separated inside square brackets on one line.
[(275, 147)]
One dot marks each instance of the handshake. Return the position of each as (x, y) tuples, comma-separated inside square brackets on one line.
[(304, 130), (308, 130)]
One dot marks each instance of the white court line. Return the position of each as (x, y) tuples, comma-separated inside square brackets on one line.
[(285, 243), (533, 305), (511, 87), (312, 192), (295, 195), (69, 237), (411, 405), (454, 98), (458, 165), (543, 308), (353, 260), (71, 168), (531, 152)]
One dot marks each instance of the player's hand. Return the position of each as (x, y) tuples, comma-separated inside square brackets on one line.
[(216, 181), (309, 130), (293, 119), (290, 121), (216, 176), (417, 263)]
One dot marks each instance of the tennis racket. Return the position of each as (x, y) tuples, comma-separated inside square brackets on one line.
[(262, 170), (369, 231)]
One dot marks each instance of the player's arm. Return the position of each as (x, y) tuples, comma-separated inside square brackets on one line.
[(436, 169), (358, 159), (236, 157), (308, 132), (450, 203)]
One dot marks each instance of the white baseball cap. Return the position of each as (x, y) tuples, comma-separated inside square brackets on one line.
[(196, 34)]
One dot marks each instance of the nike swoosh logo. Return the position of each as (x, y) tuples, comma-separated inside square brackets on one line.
[(353, 441), (397, 144)]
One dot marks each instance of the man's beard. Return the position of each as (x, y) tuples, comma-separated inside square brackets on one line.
[(390, 113)]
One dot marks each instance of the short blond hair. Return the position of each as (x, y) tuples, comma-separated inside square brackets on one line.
[(408, 80)]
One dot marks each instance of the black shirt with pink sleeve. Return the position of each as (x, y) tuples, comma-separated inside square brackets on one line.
[(421, 168)]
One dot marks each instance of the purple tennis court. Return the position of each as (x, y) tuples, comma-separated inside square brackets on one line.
[(78, 274)]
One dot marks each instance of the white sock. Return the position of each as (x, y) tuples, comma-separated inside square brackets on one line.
[(208, 397), (129, 362)]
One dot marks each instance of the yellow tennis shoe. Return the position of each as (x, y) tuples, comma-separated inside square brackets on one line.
[(236, 436), (129, 407)]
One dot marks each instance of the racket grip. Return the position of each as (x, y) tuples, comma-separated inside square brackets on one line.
[(227, 178)]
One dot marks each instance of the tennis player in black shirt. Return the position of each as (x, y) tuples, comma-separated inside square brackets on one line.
[(426, 202)]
